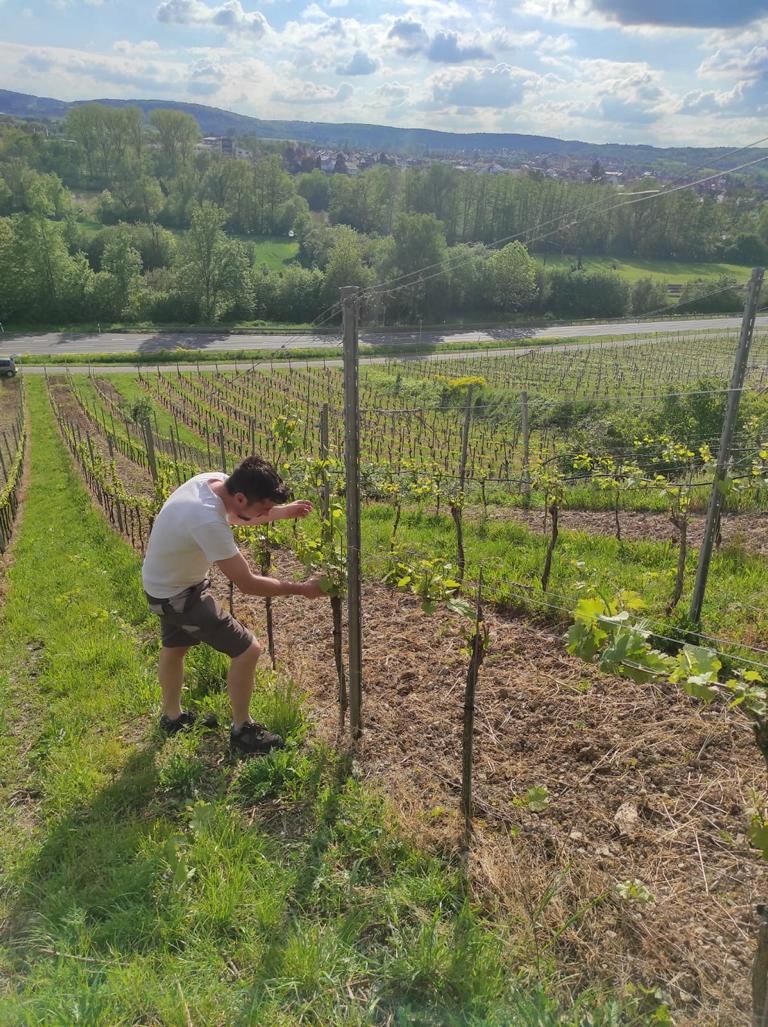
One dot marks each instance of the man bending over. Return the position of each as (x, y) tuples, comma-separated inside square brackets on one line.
[(192, 532)]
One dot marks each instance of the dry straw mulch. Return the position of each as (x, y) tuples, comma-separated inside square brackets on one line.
[(644, 784)]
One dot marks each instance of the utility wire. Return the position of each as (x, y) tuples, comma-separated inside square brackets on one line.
[(416, 277)]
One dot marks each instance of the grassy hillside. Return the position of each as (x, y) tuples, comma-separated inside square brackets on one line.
[(154, 881)]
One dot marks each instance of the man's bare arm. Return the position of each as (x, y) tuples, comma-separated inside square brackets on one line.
[(240, 574), (296, 510)]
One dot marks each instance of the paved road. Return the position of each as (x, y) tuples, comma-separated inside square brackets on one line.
[(151, 342), (330, 361)]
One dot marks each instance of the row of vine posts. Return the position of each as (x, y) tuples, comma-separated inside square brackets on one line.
[(12, 450)]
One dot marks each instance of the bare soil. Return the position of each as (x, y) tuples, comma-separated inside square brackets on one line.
[(109, 390), (643, 784), (137, 481), (10, 397)]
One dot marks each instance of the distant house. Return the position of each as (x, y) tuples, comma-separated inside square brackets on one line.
[(223, 145)]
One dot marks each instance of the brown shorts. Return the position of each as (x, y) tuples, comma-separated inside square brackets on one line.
[(193, 616)]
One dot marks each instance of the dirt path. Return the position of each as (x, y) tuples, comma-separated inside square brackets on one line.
[(642, 783), (137, 481)]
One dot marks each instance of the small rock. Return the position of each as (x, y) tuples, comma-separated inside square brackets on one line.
[(627, 820)]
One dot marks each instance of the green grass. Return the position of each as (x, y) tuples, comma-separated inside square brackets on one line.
[(511, 558), (147, 881), (275, 253), (130, 391), (88, 227), (674, 272)]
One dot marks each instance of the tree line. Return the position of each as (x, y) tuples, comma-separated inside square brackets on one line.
[(176, 230)]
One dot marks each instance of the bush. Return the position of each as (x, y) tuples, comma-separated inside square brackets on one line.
[(579, 294), (647, 295), (725, 296)]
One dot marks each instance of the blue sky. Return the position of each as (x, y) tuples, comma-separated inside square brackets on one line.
[(666, 72)]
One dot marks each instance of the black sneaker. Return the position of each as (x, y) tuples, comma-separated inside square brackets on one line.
[(186, 721), (253, 739)]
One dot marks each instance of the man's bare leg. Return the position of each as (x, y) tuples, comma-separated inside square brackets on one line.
[(240, 683), (171, 674)]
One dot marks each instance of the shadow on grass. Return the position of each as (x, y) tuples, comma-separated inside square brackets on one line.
[(92, 869), (316, 846)]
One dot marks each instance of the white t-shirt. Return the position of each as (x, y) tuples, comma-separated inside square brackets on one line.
[(190, 533)]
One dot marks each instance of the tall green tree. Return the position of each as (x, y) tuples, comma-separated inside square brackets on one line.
[(122, 262), (315, 188), (511, 277), (419, 265), (211, 268), (346, 265), (178, 134)]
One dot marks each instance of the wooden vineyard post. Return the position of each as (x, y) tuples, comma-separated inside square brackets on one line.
[(458, 504), (150, 443), (336, 607), (726, 438), (477, 645), (352, 496), (760, 972), (224, 468), (221, 447), (525, 432)]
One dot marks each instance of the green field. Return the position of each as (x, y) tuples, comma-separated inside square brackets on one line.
[(672, 272), (273, 252)]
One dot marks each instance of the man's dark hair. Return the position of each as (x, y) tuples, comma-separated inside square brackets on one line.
[(257, 480)]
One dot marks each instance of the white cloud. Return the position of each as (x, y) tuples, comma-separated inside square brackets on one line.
[(146, 46), (229, 17), (446, 48), (408, 36), (744, 99), (139, 75), (360, 64), (312, 93), (507, 40), (556, 44), (394, 91), (500, 87)]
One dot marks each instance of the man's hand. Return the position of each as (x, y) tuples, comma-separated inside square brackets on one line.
[(311, 588), (298, 509)]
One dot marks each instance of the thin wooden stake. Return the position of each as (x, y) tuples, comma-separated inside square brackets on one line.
[(726, 438), (477, 643), (760, 972), (336, 607), (352, 492)]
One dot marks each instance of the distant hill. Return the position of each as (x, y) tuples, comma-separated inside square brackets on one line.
[(420, 141)]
